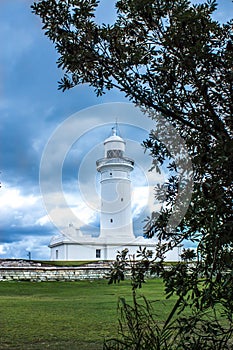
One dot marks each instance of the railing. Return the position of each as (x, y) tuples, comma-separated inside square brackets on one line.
[(124, 160)]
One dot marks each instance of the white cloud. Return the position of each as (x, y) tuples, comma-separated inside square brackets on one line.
[(43, 221), (11, 198), (36, 245), (74, 211), (2, 249), (143, 201), (18, 209), (140, 197)]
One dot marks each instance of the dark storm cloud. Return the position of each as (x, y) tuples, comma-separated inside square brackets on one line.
[(17, 233)]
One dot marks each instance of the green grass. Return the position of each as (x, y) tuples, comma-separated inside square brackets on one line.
[(66, 315), (63, 263), (75, 263)]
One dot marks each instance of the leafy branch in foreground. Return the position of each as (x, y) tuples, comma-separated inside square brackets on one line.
[(138, 328), (188, 326)]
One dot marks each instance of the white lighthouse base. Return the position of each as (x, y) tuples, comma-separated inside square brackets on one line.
[(71, 245)]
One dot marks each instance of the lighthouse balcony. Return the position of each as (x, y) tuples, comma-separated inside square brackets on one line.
[(117, 161)]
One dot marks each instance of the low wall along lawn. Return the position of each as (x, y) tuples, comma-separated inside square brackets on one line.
[(35, 272)]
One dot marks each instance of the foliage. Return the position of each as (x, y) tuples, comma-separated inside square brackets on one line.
[(172, 59), (204, 328), (188, 255), (139, 329)]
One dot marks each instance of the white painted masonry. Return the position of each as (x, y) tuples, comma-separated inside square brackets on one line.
[(116, 214)]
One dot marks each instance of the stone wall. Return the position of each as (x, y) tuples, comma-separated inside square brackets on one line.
[(26, 271), (40, 274)]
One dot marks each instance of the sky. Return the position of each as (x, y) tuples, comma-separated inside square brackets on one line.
[(50, 140)]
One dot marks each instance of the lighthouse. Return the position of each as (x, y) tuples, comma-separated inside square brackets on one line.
[(115, 184), (116, 223)]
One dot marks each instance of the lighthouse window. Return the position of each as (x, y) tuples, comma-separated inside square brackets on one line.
[(111, 220), (98, 253), (115, 153), (121, 199), (111, 174), (56, 254)]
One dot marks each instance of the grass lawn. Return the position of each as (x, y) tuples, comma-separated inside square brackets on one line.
[(66, 315), (64, 263)]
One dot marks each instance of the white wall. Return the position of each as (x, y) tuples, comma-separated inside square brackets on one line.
[(88, 252)]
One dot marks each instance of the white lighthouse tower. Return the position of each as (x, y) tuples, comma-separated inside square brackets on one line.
[(116, 212)]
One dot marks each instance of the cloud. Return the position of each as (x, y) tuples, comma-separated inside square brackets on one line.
[(20, 228), (36, 245), (16, 207), (12, 198)]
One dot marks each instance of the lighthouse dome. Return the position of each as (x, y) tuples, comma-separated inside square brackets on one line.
[(114, 146), (114, 138)]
